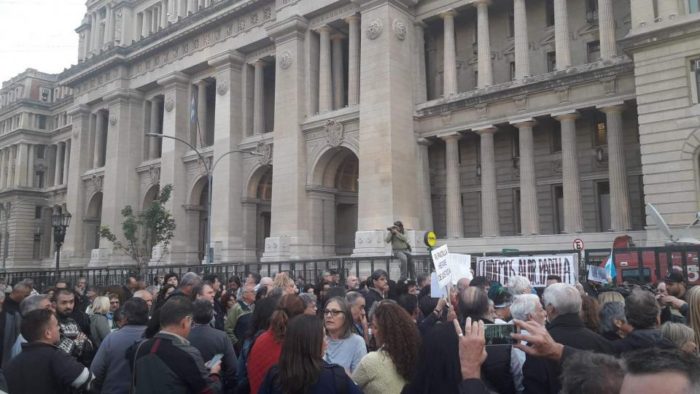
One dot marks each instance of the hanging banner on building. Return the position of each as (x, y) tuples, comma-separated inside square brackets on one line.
[(535, 268)]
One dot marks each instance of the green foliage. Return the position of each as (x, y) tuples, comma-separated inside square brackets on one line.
[(144, 230)]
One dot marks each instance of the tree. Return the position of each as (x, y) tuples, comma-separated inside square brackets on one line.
[(144, 230)]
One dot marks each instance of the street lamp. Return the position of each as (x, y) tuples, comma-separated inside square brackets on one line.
[(5, 208), (209, 168), (59, 222)]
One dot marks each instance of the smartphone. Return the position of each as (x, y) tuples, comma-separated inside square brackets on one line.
[(499, 334), (214, 360)]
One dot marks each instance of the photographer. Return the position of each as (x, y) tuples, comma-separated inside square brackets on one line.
[(401, 248)]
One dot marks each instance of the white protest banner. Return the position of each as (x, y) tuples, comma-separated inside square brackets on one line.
[(535, 268), (442, 268), (597, 274), (436, 291), (460, 265)]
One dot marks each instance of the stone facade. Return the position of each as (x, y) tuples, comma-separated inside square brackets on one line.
[(498, 123)]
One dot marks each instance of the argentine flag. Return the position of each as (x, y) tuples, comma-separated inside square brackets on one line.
[(610, 267)]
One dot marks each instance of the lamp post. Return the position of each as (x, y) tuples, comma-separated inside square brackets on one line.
[(209, 168), (60, 222), (5, 208)]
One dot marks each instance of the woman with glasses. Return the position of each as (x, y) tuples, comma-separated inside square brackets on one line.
[(301, 368), (267, 348), (344, 347), (389, 368)]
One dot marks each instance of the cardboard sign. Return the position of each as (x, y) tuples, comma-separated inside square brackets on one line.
[(597, 274), (436, 291), (535, 268), (442, 267), (461, 265)]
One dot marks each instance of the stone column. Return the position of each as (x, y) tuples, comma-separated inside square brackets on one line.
[(606, 27), (21, 165), (109, 27), (484, 44), (529, 213), (420, 87), (426, 195), (325, 80), (522, 53), (642, 13), (668, 9), (58, 167), (338, 77), (353, 60), (3, 167), (31, 152), (489, 196), (153, 142), (450, 54), (573, 213), (617, 170), (311, 58), (561, 35), (176, 87), (99, 140), (66, 161), (164, 14), (228, 183), (455, 222), (146, 25), (258, 101), (12, 178), (202, 110)]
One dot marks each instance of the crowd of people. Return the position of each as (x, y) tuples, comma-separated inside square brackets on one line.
[(280, 334)]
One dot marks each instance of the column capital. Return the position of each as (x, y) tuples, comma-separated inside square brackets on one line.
[(612, 107), (528, 122), (324, 29), (424, 141), (451, 136), (123, 94), (352, 18), (480, 3), (337, 37), (448, 14), (490, 129), (176, 78), (566, 115), (259, 63), (79, 110), (284, 30), (227, 59)]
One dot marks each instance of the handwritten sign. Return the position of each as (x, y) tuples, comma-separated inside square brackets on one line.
[(460, 265), (442, 266), (535, 268)]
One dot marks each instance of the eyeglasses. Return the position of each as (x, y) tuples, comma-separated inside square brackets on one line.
[(331, 312)]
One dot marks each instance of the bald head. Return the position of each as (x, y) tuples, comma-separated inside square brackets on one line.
[(462, 284)]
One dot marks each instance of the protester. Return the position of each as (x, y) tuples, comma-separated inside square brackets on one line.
[(310, 306), (656, 370), (588, 373), (245, 304), (359, 317), (11, 319), (681, 335), (389, 369), (344, 347), (31, 303), (377, 287), (266, 350), (518, 285), (166, 362), (401, 248), (259, 323), (284, 282), (590, 309), (552, 279), (211, 341), (694, 311), (145, 295), (526, 307), (610, 296), (265, 282), (301, 368), (100, 323), (352, 283), (642, 313), (613, 322), (163, 295), (42, 367), (111, 365), (171, 279), (73, 340)]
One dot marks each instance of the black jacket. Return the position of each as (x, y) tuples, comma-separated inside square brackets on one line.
[(371, 296), (542, 376), (641, 339), (43, 368), (210, 342)]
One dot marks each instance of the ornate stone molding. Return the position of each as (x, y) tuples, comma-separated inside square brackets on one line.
[(169, 104), (285, 60), (265, 152), (374, 29), (113, 120), (96, 183), (400, 29), (221, 87), (334, 133), (154, 175)]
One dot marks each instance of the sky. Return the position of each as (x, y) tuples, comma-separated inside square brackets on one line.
[(38, 34)]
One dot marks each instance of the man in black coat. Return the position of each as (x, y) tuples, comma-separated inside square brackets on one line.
[(563, 304), (643, 314)]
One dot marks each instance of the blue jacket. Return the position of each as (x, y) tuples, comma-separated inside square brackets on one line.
[(110, 365)]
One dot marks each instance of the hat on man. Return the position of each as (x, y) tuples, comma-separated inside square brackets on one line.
[(674, 276), (398, 223)]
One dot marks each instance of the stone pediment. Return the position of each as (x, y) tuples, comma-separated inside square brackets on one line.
[(588, 31)]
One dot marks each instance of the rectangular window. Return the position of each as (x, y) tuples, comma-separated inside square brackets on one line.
[(515, 144), (603, 193), (600, 130), (512, 71), (37, 212), (695, 80), (40, 149), (556, 137), (36, 250), (40, 179), (511, 24), (593, 50), (549, 10), (558, 204), (591, 11), (551, 61), (41, 121), (516, 211)]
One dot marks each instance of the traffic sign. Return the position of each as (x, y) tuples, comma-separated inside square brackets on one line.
[(578, 244)]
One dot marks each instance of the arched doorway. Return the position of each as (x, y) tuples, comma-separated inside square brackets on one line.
[(93, 221), (151, 196), (333, 197), (197, 217), (258, 212)]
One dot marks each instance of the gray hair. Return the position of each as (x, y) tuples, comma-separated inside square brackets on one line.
[(523, 306), (563, 297), (519, 285), (190, 279), (31, 303), (352, 297), (610, 312), (308, 299)]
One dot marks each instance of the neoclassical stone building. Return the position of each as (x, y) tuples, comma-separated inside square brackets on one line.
[(498, 123)]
